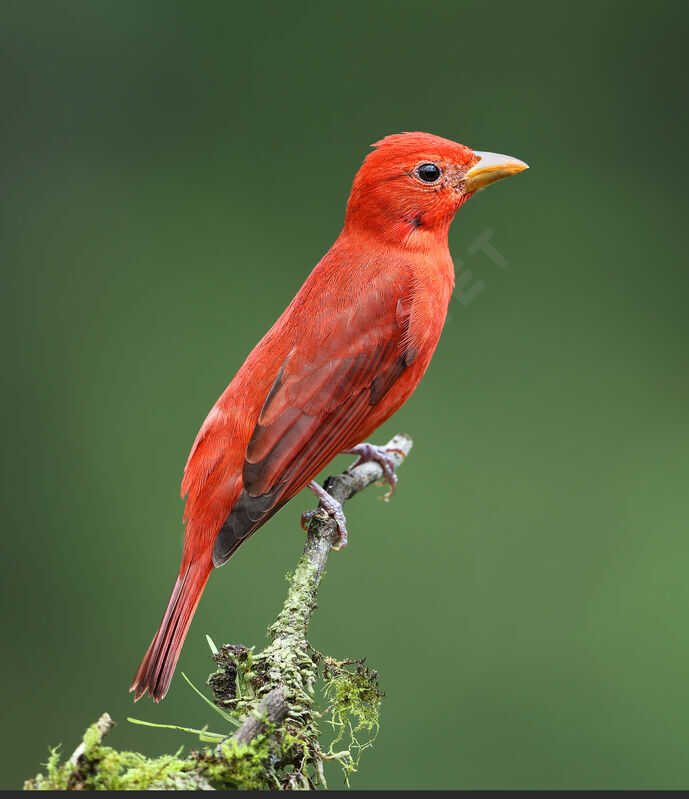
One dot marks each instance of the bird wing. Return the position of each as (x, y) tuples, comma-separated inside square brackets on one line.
[(324, 392)]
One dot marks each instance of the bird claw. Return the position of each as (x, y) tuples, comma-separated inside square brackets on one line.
[(380, 455), (306, 517), (333, 508)]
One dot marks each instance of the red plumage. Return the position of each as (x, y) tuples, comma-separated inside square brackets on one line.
[(347, 352)]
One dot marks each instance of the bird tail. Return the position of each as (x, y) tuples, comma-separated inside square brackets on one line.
[(155, 672)]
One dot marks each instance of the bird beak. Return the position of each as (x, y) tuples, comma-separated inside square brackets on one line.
[(490, 168)]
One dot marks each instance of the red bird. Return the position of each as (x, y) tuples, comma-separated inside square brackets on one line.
[(347, 352)]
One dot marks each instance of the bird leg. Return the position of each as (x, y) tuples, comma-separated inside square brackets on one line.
[(333, 508), (371, 452)]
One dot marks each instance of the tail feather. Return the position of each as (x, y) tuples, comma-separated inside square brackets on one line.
[(155, 672)]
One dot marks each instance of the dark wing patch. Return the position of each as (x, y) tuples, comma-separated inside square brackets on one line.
[(384, 381), (248, 514)]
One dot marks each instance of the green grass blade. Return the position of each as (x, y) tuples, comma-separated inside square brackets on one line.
[(204, 735), (232, 719), (214, 648)]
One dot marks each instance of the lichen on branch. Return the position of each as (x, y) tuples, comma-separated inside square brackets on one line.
[(273, 691)]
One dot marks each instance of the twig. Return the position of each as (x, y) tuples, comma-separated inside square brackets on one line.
[(281, 695), (103, 727), (342, 487), (272, 710), (287, 663)]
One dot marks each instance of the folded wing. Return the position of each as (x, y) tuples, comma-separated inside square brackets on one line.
[(323, 395)]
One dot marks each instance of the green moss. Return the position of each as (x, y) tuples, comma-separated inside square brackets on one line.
[(241, 766), (103, 768), (234, 683), (286, 758), (289, 757), (355, 709)]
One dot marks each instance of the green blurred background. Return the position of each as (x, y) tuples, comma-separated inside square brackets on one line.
[(171, 173)]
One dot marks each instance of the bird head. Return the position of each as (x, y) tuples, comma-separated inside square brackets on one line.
[(411, 185)]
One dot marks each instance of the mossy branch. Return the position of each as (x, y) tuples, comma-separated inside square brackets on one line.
[(273, 691)]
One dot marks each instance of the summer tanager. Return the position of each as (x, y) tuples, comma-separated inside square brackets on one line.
[(349, 349)]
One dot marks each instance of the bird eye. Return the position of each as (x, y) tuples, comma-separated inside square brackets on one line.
[(429, 173)]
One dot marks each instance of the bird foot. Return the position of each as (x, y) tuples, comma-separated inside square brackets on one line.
[(333, 508), (381, 455)]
